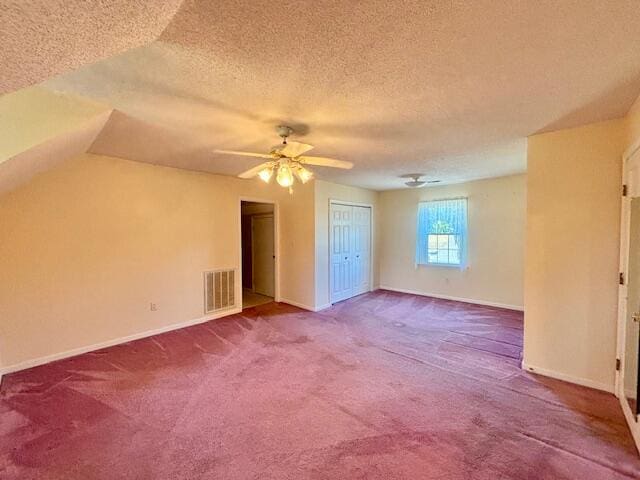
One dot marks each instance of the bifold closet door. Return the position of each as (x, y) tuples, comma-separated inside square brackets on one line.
[(361, 242), (350, 244), (340, 244)]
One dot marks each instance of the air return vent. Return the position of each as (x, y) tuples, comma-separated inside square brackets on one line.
[(219, 290)]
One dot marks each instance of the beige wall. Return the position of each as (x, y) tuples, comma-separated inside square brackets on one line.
[(496, 221), (86, 247), (324, 192), (571, 275)]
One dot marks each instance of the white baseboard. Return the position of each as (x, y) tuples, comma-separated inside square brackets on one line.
[(305, 307), (457, 299), (585, 382), (110, 343)]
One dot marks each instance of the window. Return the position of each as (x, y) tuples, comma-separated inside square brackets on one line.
[(442, 232)]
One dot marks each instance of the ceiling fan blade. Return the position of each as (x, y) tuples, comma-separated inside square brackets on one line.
[(245, 154), (326, 162), (252, 172), (294, 149)]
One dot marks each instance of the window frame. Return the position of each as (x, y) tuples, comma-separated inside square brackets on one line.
[(423, 235), (448, 249)]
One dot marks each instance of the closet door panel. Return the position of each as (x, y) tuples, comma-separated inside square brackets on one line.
[(361, 249), (341, 274)]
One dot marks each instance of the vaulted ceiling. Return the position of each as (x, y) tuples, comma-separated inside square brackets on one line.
[(451, 89)]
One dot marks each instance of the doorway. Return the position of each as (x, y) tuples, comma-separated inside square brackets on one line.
[(628, 360), (350, 250), (258, 239)]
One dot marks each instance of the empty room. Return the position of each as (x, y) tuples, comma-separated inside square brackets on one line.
[(319, 239)]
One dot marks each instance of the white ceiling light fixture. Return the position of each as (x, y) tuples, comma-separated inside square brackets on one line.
[(287, 161)]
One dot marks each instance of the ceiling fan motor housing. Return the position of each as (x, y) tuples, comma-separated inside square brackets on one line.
[(415, 180), (284, 131)]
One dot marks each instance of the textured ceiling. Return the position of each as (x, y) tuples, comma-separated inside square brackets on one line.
[(42, 38), (450, 89)]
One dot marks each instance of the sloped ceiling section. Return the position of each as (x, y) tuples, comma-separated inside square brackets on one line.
[(41, 129), (127, 137), (41, 39), (32, 115), (21, 168)]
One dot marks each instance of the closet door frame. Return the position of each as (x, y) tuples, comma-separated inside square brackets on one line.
[(630, 189), (372, 246)]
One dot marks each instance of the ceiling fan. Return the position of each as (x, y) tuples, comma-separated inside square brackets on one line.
[(415, 181), (286, 161)]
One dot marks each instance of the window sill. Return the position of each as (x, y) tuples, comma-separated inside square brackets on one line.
[(446, 265)]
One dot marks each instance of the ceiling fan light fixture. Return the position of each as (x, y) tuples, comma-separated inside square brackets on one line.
[(303, 174), (415, 181), (284, 176), (285, 162), (266, 174)]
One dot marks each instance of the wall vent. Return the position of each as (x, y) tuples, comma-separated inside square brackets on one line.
[(219, 290)]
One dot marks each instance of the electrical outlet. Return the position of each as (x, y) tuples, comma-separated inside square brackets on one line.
[(153, 307)]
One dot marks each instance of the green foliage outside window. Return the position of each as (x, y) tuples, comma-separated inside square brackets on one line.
[(441, 227)]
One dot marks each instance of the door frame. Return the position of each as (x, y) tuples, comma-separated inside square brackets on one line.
[(625, 219), (276, 242), (334, 201), (253, 250)]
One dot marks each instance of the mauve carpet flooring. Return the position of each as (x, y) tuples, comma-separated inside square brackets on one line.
[(382, 386)]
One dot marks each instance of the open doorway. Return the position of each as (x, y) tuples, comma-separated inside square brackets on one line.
[(258, 253)]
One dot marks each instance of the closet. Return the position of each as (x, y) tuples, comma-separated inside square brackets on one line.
[(350, 250)]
